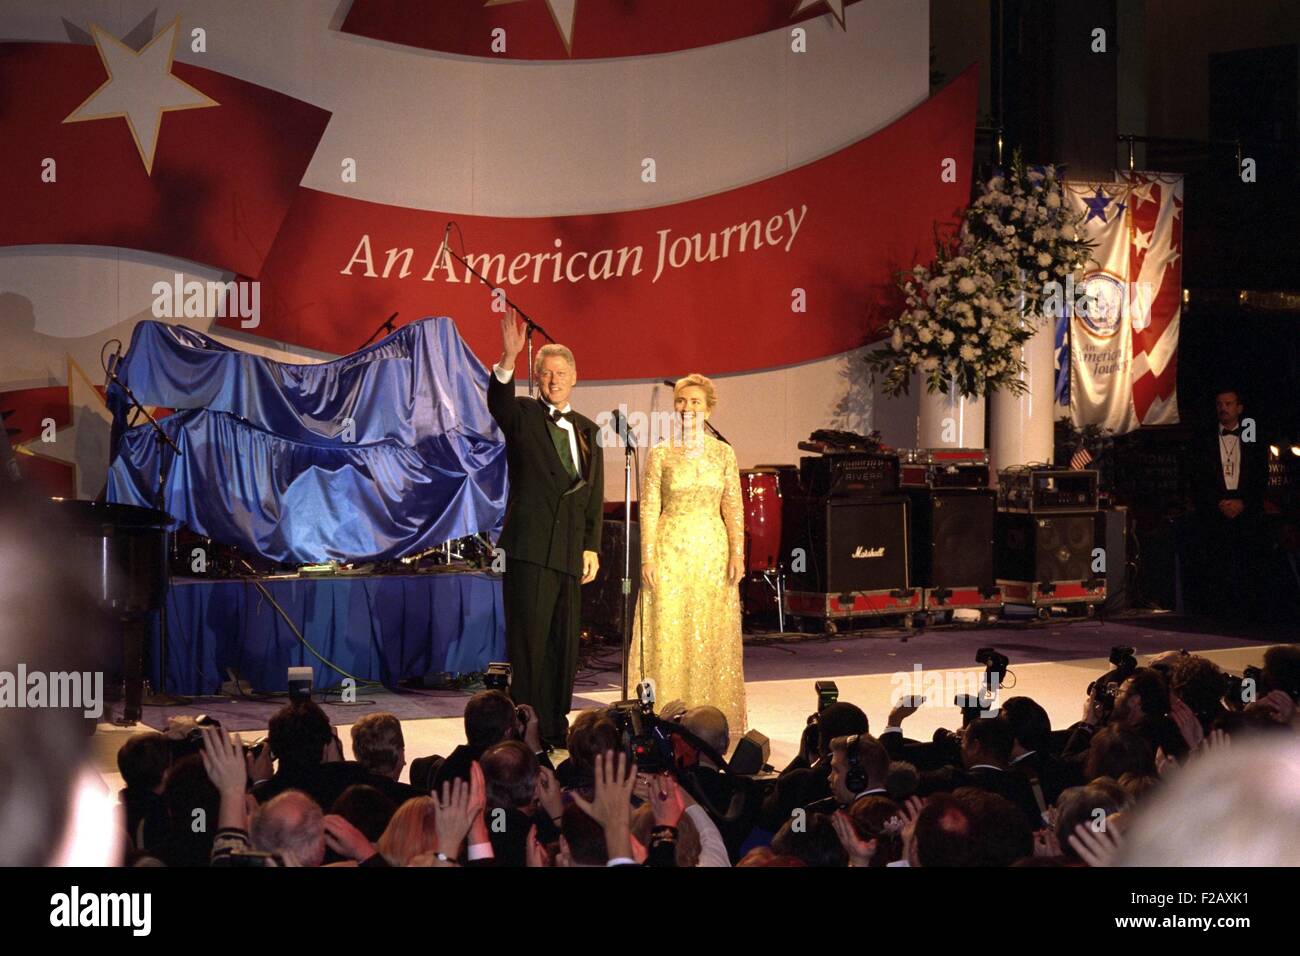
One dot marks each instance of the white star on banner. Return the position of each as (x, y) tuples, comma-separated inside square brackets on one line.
[(1141, 240), (836, 9), (563, 12), (140, 88), (1142, 194)]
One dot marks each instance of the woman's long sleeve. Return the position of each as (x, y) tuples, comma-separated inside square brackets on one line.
[(650, 503), (733, 511)]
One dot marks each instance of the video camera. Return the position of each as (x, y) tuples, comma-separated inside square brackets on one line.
[(1105, 689)]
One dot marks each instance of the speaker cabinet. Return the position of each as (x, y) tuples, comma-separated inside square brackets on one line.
[(952, 537), (1036, 547), (602, 599), (853, 544)]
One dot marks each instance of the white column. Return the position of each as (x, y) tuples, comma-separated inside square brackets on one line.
[(1022, 424), (948, 421)]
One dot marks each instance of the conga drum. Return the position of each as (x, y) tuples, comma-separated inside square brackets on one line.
[(761, 493)]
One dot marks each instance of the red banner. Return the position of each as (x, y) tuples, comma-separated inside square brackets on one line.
[(222, 178), (792, 268), (597, 28)]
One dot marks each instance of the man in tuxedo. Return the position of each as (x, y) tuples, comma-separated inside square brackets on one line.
[(1230, 477), (551, 538)]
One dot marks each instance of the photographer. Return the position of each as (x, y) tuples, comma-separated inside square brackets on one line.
[(859, 768), (807, 778), (490, 718), (1031, 751), (310, 755), (1141, 704), (986, 745), (521, 796)]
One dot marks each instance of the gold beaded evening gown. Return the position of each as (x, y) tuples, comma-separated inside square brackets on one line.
[(691, 522)]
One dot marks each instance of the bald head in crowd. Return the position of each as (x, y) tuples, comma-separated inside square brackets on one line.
[(292, 827)]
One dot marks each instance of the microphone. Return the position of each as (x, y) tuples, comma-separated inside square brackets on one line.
[(444, 248), (621, 428), (671, 383), (114, 361)]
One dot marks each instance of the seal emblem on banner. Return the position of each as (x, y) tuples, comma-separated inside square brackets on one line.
[(1103, 305)]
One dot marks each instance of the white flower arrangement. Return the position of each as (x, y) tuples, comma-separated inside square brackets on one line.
[(965, 323)]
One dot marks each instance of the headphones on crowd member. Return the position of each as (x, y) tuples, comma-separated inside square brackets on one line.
[(855, 780)]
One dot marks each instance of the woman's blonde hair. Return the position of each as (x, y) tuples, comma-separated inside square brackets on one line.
[(411, 832), (699, 381)]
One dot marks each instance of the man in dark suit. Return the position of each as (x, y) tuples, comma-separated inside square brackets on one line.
[(1230, 477), (1048, 776), (310, 757), (986, 745), (551, 538)]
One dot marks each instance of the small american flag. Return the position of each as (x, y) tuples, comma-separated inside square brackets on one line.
[(1080, 459)]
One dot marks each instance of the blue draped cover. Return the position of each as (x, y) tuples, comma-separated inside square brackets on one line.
[(384, 628), (372, 456)]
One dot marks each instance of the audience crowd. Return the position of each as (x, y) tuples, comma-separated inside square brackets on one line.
[(1158, 752)]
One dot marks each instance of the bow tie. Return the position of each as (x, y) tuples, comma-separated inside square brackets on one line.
[(1231, 431), (555, 415)]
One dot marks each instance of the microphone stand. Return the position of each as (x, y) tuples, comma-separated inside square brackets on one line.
[(625, 434), (530, 324), (386, 324), (163, 699)]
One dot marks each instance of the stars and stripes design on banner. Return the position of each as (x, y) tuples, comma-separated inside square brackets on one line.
[(1123, 332)]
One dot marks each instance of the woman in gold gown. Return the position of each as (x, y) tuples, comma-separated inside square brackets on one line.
[(692, 558)]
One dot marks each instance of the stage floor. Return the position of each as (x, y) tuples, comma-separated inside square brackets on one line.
[(1052, 662)]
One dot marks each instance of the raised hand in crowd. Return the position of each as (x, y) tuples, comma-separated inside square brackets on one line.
[(906, 707), (223, 759), (550, 796), (1096, 847), (666, 801), (912, 808), (454, 817), (611, 807), (1188, 723), (1276, 705), (346, 840), (536, 853), (859, 851)]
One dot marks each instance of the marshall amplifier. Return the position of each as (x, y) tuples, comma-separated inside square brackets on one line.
[(849, 474), (852, 545), (1047, 490)]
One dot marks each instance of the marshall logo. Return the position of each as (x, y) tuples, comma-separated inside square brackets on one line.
[(861, 552)]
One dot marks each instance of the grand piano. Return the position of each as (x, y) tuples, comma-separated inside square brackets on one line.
[(128, 548)]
